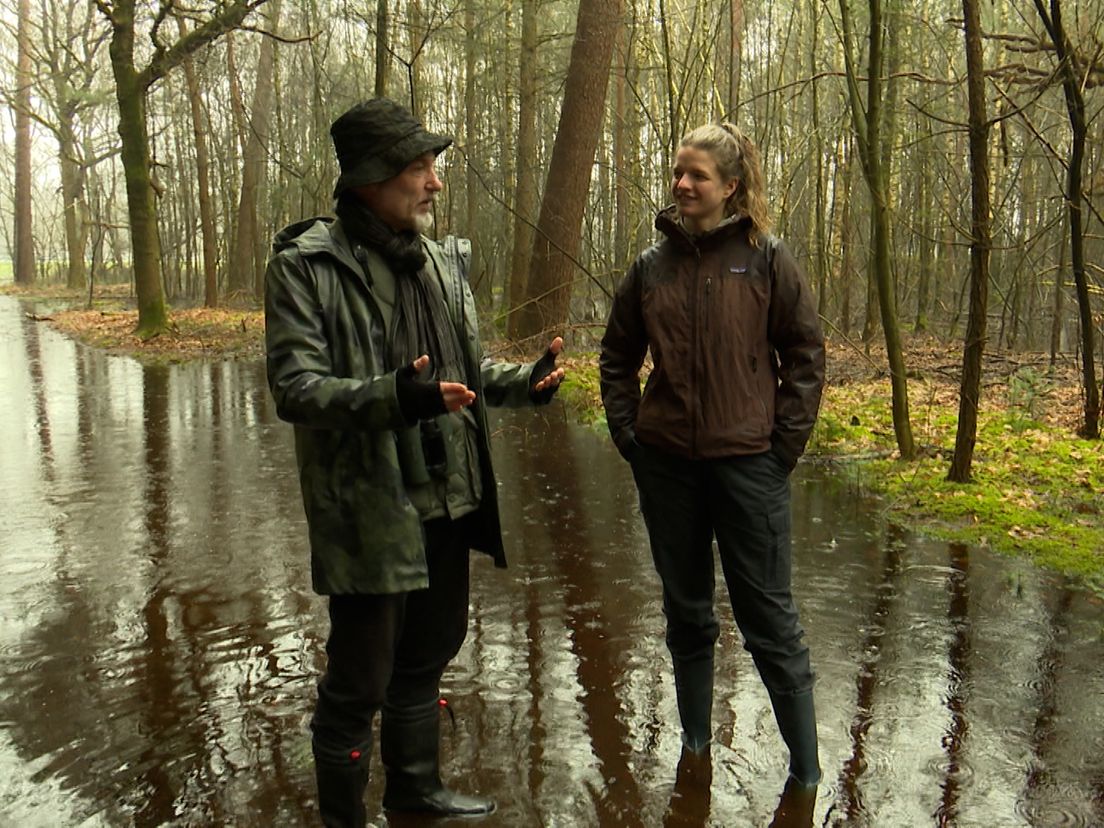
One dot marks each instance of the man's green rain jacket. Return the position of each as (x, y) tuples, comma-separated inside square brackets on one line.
[(325, 340)]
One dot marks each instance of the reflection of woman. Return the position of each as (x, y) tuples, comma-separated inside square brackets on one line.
[(738, 359)]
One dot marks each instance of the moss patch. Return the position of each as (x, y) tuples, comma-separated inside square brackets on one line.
[(1036, 488)]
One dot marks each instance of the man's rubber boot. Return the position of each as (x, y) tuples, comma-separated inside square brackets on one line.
[(694, 691), (796, 719), (691, 796), (342, 777), (409, 741), (795, 806)]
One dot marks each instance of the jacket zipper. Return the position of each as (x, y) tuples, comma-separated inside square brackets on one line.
[(706, 313), (696, 354), (368, 284)]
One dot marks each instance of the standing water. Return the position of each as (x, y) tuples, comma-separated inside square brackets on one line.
[(159, 641)]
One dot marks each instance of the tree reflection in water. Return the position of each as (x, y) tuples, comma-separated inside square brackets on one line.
[(159, 642)]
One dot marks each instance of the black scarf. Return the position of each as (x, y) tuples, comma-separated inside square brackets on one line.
[(421, 322)]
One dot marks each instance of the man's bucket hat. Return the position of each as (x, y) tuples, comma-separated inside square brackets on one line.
[(376, 140)]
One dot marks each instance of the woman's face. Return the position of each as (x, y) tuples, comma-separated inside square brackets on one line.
[(699, 189)]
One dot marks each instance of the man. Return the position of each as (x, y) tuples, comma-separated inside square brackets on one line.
[(374, 356)]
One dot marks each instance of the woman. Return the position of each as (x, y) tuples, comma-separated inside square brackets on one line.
[(738, 358)]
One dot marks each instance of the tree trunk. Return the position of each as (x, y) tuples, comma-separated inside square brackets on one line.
[(206, 214), (24, 264), (1075, 106), (869, 137), (141, 207), (1058, 307), (924, 274), (871, 306), (735, 50), (846, 233), (980, 247), (481, 283), (820, 231), (383, 57), (248, 254), (558, 229), (620, 141), (892, 23), (525, 196), (72, 193)]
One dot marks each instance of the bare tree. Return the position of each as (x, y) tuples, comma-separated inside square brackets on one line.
[(868, 122), (24, 265), (131, 87), (66, 55), (980, 248), (556, 244), (1074, 74)]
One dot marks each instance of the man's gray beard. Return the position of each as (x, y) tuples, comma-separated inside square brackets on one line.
[(423, 222)]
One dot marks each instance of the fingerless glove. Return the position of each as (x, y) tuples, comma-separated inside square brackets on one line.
[(541, 369), (417, 400)]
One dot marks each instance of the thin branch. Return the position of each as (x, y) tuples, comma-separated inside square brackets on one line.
[(490, 191)]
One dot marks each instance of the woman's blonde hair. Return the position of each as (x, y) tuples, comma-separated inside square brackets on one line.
[(736, 157)]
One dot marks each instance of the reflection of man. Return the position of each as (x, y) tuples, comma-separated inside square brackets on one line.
[(374, 355)]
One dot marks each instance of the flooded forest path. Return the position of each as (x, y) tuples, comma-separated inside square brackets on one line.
[(159, 642)]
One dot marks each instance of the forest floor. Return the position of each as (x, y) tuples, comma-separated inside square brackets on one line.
[(1037, 489)]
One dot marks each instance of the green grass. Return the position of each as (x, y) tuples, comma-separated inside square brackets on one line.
[(1036, 488)]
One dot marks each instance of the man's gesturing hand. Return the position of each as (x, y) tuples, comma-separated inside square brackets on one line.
[(420, 400), (546, 377)]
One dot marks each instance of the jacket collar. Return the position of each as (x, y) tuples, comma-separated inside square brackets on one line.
[(322, 236), (668, 223)]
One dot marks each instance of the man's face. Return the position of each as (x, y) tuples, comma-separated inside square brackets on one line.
[(405, 202)]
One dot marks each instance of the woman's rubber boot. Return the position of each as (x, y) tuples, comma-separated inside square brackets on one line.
[(694, 691), (342, 776), (796, 718), (409, 749)]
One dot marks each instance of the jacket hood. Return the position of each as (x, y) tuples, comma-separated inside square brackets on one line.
[(307, 235), (322, 235)]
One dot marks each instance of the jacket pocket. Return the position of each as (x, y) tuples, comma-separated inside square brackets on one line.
[(412, 464)]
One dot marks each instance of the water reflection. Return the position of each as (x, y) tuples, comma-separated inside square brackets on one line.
[(958, 684), (38, 392), (874, 626), (159, 643)]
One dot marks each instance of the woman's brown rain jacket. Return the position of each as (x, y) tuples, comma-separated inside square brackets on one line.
[(736, 344)]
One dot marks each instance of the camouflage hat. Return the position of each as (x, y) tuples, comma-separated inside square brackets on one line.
[(376, 140)]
